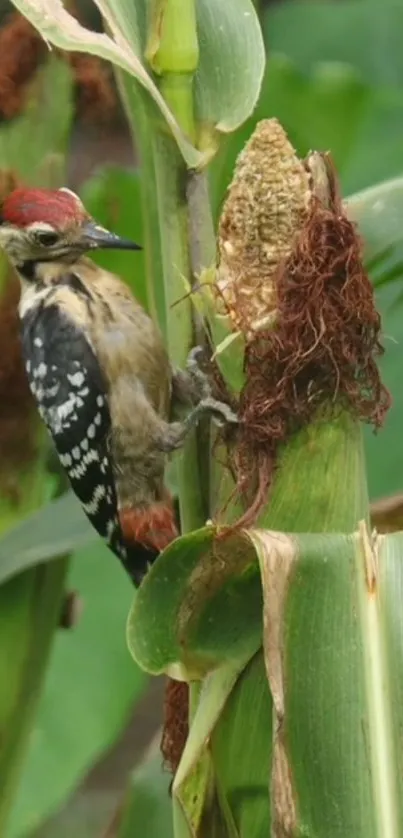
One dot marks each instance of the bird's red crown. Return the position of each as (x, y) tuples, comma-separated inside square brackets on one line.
[(58, 207)]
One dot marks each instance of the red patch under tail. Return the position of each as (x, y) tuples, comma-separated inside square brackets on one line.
[(153, 527)]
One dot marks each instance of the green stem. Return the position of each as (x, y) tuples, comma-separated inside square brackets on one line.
[(177, 90), (173, 215), (201, 227), (172, 51), (202, 247), (135, 106), (326, 459), (166, 223)]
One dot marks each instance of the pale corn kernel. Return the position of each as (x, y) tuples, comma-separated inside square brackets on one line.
[(266, 207)]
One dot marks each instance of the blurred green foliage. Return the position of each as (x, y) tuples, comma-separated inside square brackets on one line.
[(335, 80), (89, 692), (148, 801), (112, 195)]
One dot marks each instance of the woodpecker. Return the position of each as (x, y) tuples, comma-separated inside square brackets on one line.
[(100, 373)]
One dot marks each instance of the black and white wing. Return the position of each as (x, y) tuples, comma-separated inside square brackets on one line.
[(71, 393)]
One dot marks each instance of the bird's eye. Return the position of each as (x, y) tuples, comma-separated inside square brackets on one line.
[(47, 239)]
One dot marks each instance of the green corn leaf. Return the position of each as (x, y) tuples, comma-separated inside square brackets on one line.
[(191, 787), (241, 746), (58, 528), (232, 60), (377, 212), (334, 672), (333, 658), (199, 605), (229, 74), (60, 28), (196, 608), (198, 615)]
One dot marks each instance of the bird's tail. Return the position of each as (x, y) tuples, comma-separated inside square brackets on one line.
[(146, 532)]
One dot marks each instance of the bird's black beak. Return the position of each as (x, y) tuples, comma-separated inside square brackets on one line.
[(95, 237)]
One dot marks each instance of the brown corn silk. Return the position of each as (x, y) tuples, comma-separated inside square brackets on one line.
[(175, 723)]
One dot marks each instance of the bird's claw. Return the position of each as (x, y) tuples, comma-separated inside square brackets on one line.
[(222, 413), (200, 379)]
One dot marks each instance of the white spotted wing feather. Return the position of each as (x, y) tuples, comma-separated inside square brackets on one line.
[(71, 394)]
